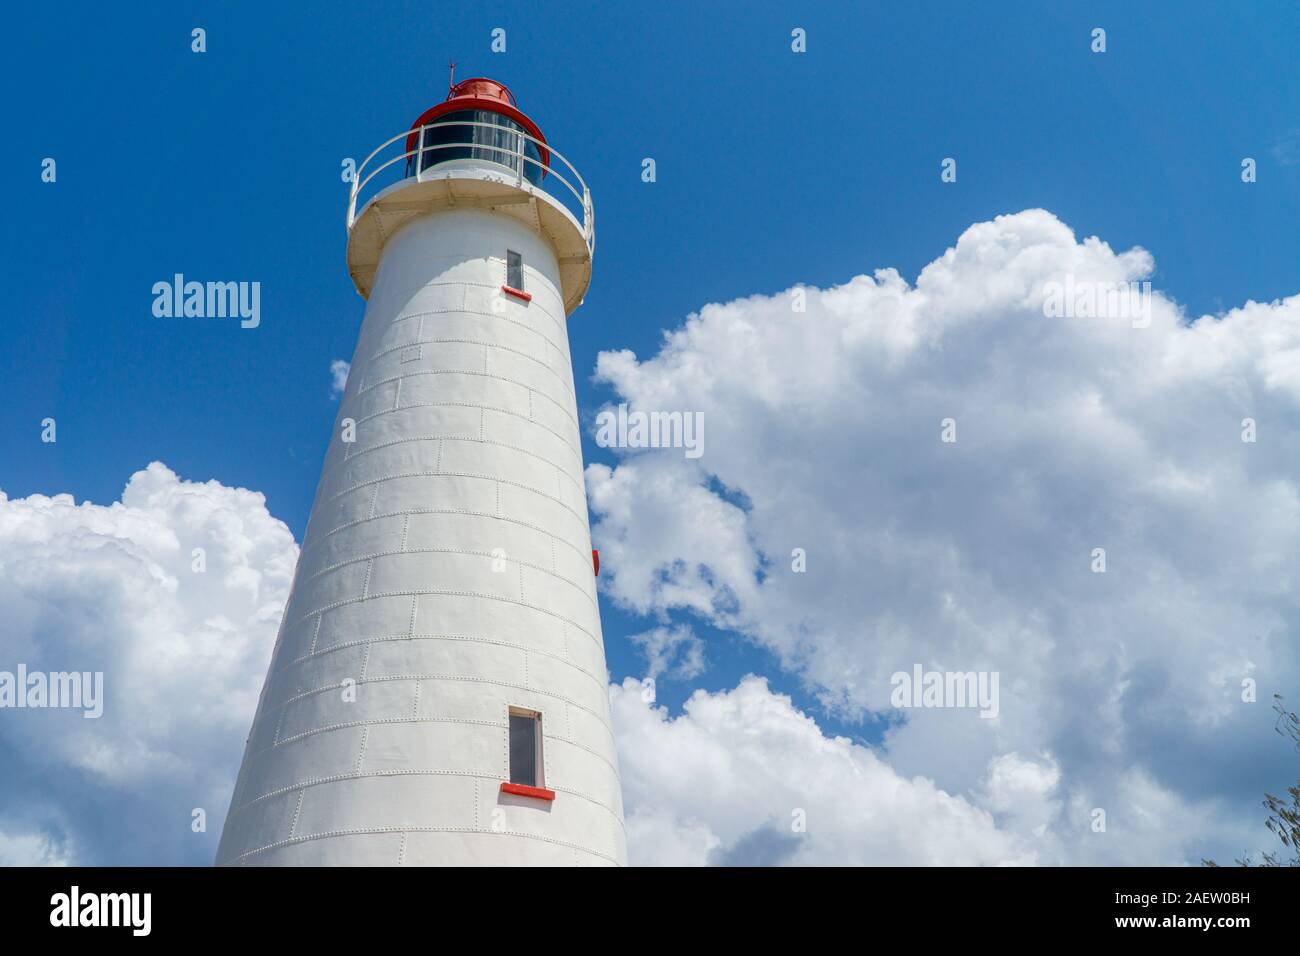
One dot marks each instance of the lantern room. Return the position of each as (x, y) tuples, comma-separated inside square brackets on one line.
[(478, 122)]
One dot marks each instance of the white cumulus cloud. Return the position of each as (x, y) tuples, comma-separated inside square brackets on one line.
[(744, 778), (114, 589), (675, 652), (1122, 689)]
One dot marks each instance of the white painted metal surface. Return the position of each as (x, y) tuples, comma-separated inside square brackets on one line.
[(446, 573)]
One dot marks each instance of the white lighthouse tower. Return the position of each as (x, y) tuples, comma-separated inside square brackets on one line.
[(437, 693)]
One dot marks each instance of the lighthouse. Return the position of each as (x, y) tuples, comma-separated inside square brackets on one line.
[(437, 694)]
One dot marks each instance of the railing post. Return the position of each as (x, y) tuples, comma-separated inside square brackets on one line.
[(519, 155)]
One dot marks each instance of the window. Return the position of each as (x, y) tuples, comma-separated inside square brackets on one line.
[(525, 747), (480, 135), (514, 270)]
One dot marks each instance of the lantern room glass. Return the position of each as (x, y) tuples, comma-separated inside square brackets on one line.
[(497, 142)]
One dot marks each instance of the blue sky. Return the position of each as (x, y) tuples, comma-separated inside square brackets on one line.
[(773, 169)]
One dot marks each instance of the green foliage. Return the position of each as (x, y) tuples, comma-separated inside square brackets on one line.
[(1283, 812)]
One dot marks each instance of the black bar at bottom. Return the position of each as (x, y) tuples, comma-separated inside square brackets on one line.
[(303, 906)]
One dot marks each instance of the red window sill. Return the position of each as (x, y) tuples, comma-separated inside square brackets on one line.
[(519, 790), (517, 293)]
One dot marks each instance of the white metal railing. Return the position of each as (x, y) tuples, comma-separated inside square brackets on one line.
[(513, 160)]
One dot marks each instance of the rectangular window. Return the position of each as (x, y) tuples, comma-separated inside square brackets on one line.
[(514, 270), (525, 747)]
